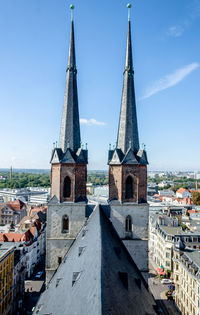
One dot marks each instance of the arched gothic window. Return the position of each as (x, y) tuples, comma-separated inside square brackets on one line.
[(129, 188), (67, 187), (128, 224), (65, 224)]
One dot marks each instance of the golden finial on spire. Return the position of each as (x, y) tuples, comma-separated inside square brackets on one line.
[(129, 11)]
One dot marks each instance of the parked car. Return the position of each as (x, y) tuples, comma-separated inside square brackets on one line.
[(39, 274), (166, 281)]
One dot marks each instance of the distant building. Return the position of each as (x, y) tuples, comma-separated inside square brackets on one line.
[(166, 238), (152, 189), (165, 183), (40, 197), (31, 236), (166, 192), (24, 194), (183, 193), (90, 188), (101, 191), (19, 275), (13, 212)]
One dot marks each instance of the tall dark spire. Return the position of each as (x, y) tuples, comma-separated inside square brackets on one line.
[(128, 128), (70, 126)]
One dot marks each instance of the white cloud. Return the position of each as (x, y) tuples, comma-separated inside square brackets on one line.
[(170, 80), (175, 31), (193, 13), (91, 122)]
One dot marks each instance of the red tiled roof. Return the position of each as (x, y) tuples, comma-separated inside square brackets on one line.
[(181, 190), (193, 211), (24, 219), (16, 205), (12, 237)]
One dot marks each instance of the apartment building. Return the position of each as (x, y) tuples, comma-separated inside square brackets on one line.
[(167, 236), (187, 281)]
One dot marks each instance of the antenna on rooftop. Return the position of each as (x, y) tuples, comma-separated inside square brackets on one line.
[(10, 173)]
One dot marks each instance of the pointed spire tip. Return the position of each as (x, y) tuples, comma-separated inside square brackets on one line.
[(129, 11), (72, 8)]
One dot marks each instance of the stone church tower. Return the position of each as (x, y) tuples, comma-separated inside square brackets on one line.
[(129, 210), (67, 209)]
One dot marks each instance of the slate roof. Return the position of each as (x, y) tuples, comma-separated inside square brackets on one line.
[(69, 157), (97, 276), (128, 128), (70, 126), (116, 157), (194, 257)]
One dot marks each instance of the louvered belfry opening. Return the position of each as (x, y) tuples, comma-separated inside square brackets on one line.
[(65, 224), (129, 187), (128, 223), (67, 187)]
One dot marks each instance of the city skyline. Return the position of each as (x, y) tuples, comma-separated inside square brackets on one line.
[(166, 62)]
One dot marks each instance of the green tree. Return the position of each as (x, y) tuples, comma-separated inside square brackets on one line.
[(196, 198)]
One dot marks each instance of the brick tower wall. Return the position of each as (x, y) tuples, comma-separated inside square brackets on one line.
[(117, 182), (78, 175)]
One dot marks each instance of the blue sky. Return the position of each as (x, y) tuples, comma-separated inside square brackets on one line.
[(33, 57)]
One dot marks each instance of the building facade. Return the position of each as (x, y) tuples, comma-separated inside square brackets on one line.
[(165, 238), (187, 281), (6, 276), (13, 212)]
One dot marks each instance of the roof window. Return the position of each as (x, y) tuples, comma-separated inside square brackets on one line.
[(81, 250), (75, 277)]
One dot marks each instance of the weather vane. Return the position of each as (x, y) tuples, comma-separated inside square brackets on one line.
[(72, 12), (129, 11)]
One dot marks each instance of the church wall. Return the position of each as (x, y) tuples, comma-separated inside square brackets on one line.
[(137, 241), (115, 182), (58, 243), (139, 214), (139, 252), (142, 189), (130, 170), (55, 180), (81, 179), (67, 170)]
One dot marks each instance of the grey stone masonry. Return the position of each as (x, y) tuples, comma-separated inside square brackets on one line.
[(136, 241), (58, 243)]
